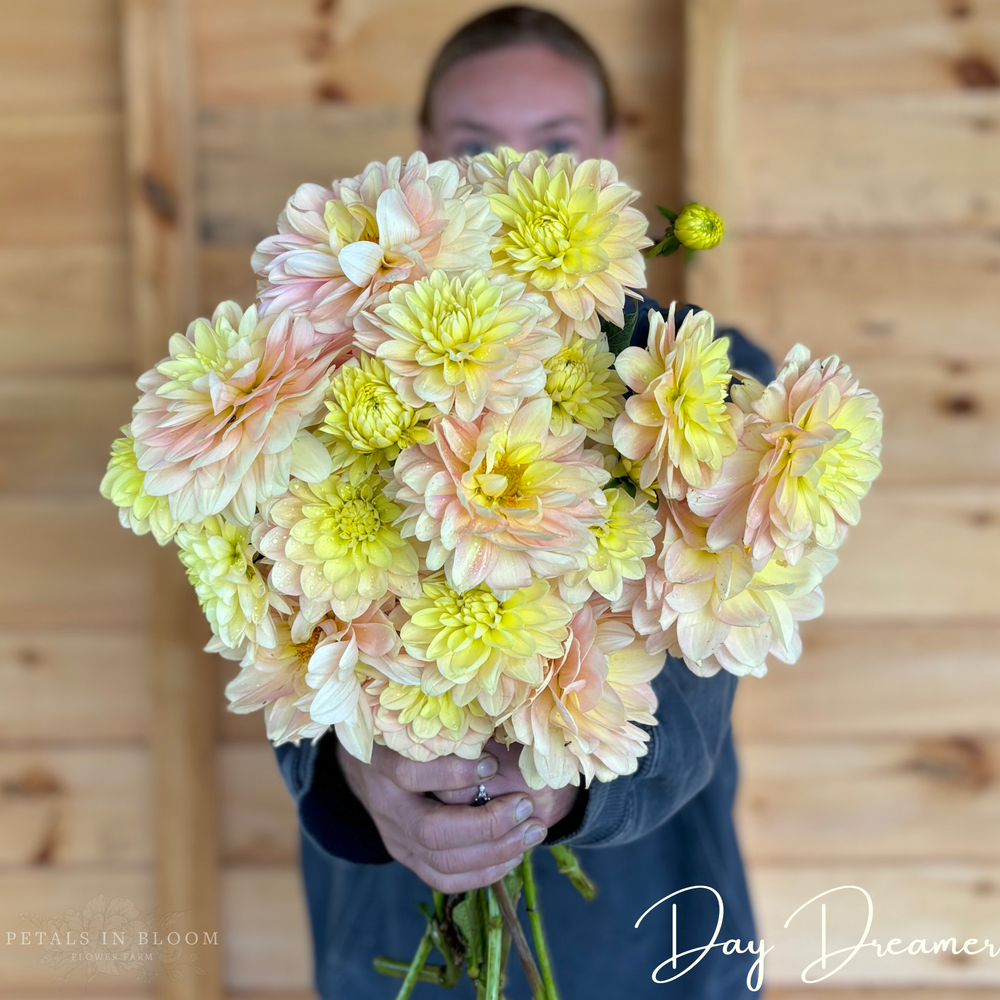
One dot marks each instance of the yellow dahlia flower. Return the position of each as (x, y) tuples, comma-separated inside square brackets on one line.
[(714, 610), (678, 422), (220, 565), (368, 424), (217, 428), (335, 546), (475, 639), (122, 485), (570, 232), (422, 726), (338, 248), (463, 344), (624, 542), (584, 388), (582, 721), (502, 498), (698, 227)]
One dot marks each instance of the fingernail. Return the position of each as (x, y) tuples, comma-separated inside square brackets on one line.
[(534, 835), (487, 766), (524, 809)]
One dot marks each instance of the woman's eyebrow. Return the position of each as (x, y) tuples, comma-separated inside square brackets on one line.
[(559, 122), (470, 125)]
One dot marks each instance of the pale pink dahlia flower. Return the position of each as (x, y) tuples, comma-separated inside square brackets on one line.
[(501, 498), (339, 247), (582, 720), (714, 610), (217, 429), (809, 453), (678, 423)]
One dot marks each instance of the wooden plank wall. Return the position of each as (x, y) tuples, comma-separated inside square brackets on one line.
[(863, 140)]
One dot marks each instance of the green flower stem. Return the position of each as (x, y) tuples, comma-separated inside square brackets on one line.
[(452, 971), (427, 974), (494, 947), (509, 912), (569, 866), (413, 973), (535, 919)]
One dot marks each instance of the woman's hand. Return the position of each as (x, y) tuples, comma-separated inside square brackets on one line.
[(551, 804), (452, 847)]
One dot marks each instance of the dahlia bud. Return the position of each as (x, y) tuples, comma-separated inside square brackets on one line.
[(698, 227)]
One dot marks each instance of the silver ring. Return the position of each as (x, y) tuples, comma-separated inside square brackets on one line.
[(482, 797)]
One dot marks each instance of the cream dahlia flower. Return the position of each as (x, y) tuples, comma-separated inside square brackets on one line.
[(584, 388), (463, 344), (122, 485), (217, 428), (582, 720), (475, 640), (570, 232), (367, 423), (809, 452), (714, 610), (337, 248), (624, 542), (423, 727), (349, 658), (335, 546), (275, 680), (220, 565), (501, 498), (678, 422)]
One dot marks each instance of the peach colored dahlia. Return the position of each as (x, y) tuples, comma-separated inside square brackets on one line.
[(582, 719), (463, 344), (714, 610), (570, 232), (217, 428), (337, 248), (501, 498), (678, 422), (812, 442)]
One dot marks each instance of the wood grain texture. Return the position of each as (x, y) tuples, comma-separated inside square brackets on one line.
[(909, 680), (879, 801), (60, 449), (855, 46), (75, 565), (84, 329), (867, 164), (910, 902), (74, 686), (883, 574), (82, 806), (58, 56), (889, 297)]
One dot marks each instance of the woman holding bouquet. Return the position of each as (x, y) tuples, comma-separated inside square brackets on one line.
[(374, 835)]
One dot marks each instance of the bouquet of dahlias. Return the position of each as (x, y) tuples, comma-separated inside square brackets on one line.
[(429, 496)]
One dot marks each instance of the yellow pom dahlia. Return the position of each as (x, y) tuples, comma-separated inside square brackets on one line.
[(422, 726), (368, 423), (217, 427), (502, 498), (714, 610), (698, 227), (584, 388), (474, 639), (338, 248), (678, 422), (624, 542), (570, 232), (122, 485), (220, 565), (335, 546), (582, 720), (463, 344)]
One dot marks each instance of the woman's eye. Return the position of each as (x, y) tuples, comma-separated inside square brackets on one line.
[(554, 146), (472, 148)]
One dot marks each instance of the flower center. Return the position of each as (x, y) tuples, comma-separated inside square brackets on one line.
[(568, 375), (475, 608), (305, 650)]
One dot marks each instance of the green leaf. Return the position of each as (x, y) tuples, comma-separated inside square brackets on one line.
[(671, 217), (467, 917), (619, 337), (667, 246)]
